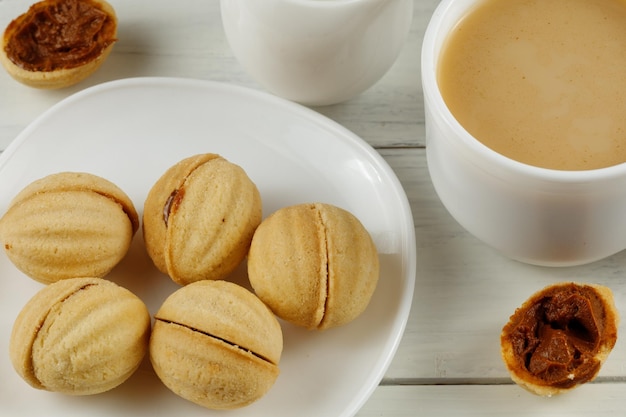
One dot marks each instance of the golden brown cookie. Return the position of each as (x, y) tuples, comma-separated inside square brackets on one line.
[(314, 265), (216, 344), (68, 225), (80, 336), (199, 218), (57, 43), (560, 337)]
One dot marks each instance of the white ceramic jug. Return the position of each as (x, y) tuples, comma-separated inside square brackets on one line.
[(317, 52)]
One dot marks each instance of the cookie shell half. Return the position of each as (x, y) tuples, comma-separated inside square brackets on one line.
[(580, 345), (60, 77)]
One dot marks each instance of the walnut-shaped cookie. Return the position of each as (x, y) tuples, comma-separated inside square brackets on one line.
[(315, 265), (216, 344), (80, 336), (68, 225), (199, 218)]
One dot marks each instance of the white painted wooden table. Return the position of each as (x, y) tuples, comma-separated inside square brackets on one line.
[(448, 362)]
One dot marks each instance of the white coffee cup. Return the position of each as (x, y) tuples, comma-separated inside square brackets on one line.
[(534, 215), (316, 52)]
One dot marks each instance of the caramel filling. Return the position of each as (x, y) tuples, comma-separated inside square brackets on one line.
[(59, 34), (172, 203), (557, 334)]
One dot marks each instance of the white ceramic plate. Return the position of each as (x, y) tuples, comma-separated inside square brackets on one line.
[(130, 132)]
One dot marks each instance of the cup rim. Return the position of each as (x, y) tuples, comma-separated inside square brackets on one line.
[(432, 95)]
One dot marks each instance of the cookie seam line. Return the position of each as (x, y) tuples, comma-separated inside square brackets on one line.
[(220, 339), (318, 212), (43, 321)]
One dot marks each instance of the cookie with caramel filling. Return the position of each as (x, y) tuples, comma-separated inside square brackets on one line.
[(80, 336), (57, 43), (315, 265), (560, 337), (67, 225), (199, 218), (216, 344)]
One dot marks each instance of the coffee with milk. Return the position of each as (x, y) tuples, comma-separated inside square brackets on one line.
[(542, 82)]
